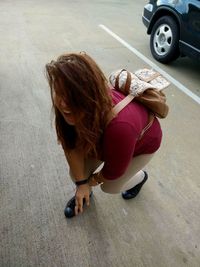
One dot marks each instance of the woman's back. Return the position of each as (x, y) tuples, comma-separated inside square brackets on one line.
[(121, 137)]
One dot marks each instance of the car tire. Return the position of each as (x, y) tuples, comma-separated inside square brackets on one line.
[(164, 41)]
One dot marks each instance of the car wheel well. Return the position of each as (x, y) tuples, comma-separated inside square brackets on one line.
[(160, 14)]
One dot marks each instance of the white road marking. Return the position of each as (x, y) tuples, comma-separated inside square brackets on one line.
[(179, 85)]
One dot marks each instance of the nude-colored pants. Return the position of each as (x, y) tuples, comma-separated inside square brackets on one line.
[(130, 178)]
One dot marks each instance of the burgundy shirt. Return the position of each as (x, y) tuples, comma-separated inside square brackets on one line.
[(120, 140)]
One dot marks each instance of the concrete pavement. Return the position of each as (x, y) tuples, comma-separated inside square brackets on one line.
[(161, 227)]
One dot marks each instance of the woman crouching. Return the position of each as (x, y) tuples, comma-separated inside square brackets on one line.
[(91, 133)]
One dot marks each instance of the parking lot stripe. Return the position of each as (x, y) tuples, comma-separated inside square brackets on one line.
[(153, 65)]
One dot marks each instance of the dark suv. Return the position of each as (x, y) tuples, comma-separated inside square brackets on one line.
[(174, 27)]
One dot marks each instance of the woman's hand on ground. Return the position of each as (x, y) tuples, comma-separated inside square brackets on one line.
[(83, 191)]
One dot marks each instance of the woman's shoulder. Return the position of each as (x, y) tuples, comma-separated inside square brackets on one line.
[(118, 96), (133, 112)]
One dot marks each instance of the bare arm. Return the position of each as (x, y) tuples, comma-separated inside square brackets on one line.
[(75, 159)]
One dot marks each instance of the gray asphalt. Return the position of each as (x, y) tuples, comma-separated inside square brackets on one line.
[(161, 227)]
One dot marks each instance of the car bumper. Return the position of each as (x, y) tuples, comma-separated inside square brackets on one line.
[(147, 15)]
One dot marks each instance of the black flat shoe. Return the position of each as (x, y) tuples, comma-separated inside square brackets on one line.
[(69, 210), (134, 191)]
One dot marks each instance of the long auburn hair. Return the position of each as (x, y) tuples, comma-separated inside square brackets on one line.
[(78, 80)]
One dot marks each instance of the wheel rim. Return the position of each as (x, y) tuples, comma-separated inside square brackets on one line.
[(162, 40)]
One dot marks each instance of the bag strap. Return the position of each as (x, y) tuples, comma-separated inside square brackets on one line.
[(124, 102), (151, 120)]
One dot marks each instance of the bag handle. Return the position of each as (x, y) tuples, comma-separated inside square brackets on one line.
[(126, 89), (117, 108)]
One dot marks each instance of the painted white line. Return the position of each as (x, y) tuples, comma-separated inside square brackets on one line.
[(153, 65)]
